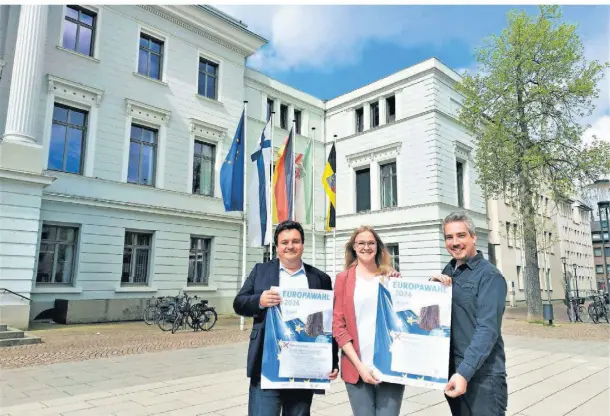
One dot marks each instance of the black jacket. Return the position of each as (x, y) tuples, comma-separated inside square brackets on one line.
[(246, 303)]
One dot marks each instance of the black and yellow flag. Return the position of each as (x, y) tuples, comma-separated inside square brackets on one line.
[(329, 183)]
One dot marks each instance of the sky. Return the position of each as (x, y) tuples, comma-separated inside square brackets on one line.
[(327, 51)]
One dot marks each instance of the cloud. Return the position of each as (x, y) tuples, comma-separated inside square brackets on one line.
[(323, 38), (599, 129)]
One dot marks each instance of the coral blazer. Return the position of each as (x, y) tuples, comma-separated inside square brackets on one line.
[(344, 321)]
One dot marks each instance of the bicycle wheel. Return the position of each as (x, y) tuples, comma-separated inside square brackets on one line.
[(150, 314), (208, 319), (593, 313), (571, 313), (177, 323), (606, 311), (166, 318)]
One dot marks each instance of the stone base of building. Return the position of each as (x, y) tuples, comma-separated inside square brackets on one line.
[(15, 316)]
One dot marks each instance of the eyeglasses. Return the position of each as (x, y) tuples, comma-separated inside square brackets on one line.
[(362, 244)]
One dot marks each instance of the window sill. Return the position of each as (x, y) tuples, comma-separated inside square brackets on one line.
[(49, 288), (156, 81), (135, 289), (199, 288), (209, 100), (91, 58)]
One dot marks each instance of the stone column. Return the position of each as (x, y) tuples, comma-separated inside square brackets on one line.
[(20, 150), (21, 179), (367, 116), (382, 111)]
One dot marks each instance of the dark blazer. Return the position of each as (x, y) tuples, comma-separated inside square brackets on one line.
[(246, 303)]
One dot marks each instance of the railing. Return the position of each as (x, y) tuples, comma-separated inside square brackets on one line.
[(4, 290)]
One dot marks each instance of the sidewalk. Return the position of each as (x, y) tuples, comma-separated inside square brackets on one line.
[(547, 377)]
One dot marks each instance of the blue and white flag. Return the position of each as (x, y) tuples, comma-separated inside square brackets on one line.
[(297, 349), (232, 171), (258, 191), (412, 333)]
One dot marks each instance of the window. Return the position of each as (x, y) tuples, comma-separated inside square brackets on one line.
[(519, 278), (388, 185), (374, 115), (136, 257), (142, 149), (597, 251), (508, 234), (199, 261), (394, 256), (151, 56), (363, 190), (459, 172), (269, 108), (266, 257), (297, 121), (284, 116), (79, 30), (599, 269), (515, 232), (203, 168), (68, 134), (208, 79), (359, 120), (390, 112), (57, 254)]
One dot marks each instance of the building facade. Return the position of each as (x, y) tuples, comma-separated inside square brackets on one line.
[(403, 164), (116, 121), (565, 256)]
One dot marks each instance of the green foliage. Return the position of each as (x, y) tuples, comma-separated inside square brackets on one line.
[(524, 107)]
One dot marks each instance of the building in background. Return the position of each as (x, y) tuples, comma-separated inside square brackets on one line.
[(565, 238)]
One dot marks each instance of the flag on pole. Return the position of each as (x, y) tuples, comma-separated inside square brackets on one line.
[(232, 172), (283, 180), (258, 218), (329, 184), (303, 172)]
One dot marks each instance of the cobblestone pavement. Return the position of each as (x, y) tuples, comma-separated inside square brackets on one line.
[(84, 342), (546, 377)]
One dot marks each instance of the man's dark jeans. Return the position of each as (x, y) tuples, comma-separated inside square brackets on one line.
[(485, 396), (291, 402)]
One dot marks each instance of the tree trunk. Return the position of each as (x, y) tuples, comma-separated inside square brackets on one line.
[(533, 295)]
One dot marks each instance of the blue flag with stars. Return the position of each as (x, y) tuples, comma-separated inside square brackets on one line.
[(232, 172)]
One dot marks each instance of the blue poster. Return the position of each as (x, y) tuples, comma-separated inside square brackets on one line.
[(297, 352), (413, 333)]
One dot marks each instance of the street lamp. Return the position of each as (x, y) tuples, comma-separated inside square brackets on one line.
[(564, 261), (576, 280)]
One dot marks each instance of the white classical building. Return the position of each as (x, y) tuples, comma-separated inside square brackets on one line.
[(115, 121)]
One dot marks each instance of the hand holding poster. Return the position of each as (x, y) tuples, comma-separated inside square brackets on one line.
[(413, 333), (297, 352)]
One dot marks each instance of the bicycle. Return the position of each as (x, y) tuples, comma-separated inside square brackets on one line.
[(151, 311), (575, 308), (199, 316), (599, 309)]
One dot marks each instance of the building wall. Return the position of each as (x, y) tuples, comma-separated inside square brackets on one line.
[(425, 141)]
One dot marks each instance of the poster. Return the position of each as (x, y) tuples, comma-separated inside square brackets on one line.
[(297, 352), (413, 333)]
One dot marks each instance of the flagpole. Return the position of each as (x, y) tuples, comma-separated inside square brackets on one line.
[(270, 215), (313, 199), (294, 168), (335, 227), (245, 202)]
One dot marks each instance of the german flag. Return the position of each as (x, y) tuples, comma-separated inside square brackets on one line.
[(329, 183)]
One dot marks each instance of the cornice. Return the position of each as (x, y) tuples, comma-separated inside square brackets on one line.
[(147, 112), (251, 82), (71, 90), (207, 130), (162, 11), (378, 153)]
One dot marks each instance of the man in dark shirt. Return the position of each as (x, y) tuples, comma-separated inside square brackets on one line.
[(477, 364)]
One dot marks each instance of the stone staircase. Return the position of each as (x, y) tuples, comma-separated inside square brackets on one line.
[(10, 337)]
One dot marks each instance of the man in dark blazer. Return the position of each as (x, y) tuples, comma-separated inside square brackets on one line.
[(253, 300)]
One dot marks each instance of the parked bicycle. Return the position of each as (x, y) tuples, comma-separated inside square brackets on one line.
[(198, 316), (599, 308), (576, 309)]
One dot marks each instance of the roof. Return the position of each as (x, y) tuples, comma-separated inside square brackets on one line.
[(230, 20)]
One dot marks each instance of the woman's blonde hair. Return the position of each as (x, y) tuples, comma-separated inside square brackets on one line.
[(382, 257)]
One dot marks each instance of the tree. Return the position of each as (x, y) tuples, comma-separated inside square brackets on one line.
[(524, 109)]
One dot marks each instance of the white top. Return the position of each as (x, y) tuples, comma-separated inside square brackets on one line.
[(297, 280), (365, 305)]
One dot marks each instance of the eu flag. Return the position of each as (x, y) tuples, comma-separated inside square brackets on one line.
[(232, 172)]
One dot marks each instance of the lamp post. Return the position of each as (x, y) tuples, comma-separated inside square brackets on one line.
[(576, 280), (564, 261), (604, 226)]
